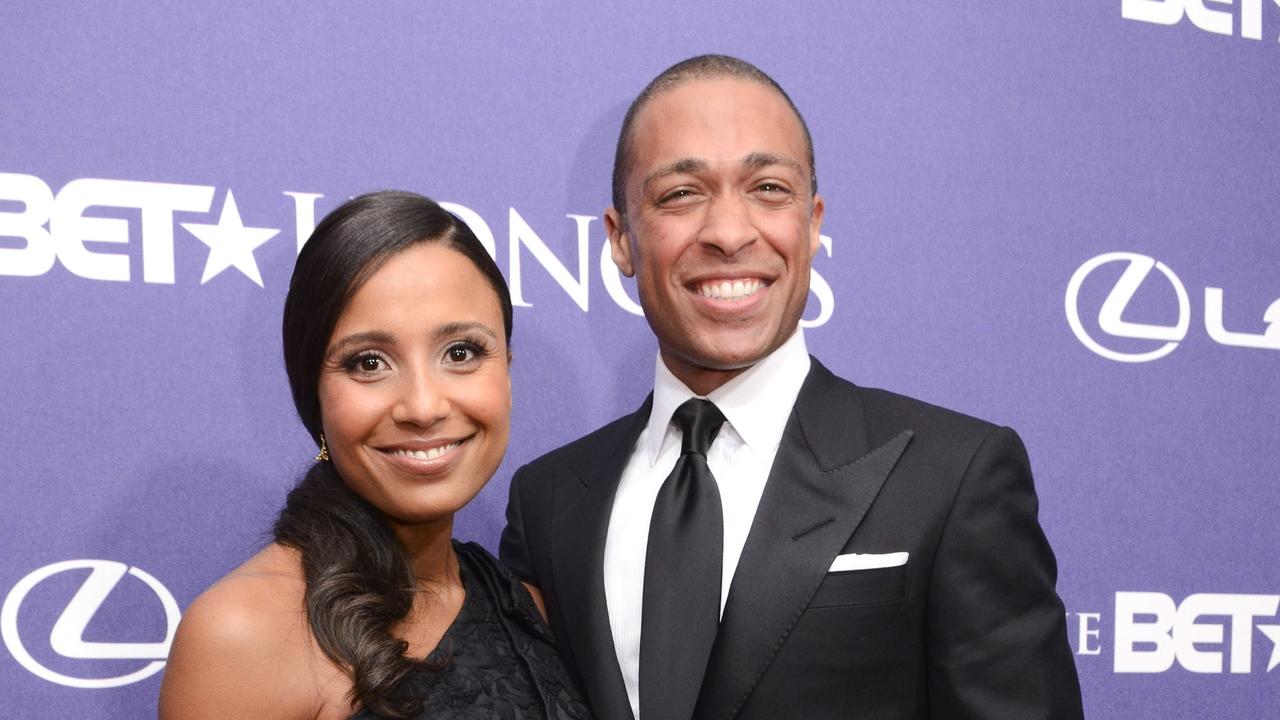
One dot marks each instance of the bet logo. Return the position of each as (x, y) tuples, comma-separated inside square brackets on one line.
[(1217, 18), (66, 638)]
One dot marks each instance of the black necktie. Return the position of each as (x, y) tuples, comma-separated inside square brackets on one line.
[(681, 610)]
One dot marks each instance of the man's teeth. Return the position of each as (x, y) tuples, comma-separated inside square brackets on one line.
[(431, 454), (729, 289)]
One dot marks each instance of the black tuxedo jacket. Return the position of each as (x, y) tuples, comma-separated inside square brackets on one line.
[(969, 627)]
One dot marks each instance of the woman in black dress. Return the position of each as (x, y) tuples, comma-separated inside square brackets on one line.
[(396, 340)]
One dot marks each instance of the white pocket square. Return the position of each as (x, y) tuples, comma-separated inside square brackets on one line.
[(868, 561)]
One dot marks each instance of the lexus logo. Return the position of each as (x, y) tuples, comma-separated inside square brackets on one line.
[(67, 636), (1110, 315)]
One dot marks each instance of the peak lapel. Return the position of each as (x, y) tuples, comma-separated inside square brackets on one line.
[(583, 502), (822, 482)]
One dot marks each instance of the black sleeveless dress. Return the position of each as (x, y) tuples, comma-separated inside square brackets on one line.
[(498, 655)]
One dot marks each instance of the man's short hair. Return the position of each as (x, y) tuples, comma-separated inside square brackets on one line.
[(702, 67)]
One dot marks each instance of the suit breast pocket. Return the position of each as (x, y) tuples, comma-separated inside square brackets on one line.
[(861, 587)]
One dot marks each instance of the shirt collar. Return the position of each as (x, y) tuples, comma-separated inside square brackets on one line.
[(756, 403)]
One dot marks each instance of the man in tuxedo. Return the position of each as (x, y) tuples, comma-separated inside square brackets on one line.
[(762, 539)]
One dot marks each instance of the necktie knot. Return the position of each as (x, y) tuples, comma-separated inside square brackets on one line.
[(699, 421)]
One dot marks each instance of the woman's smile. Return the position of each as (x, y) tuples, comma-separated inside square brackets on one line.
[(429, 458)]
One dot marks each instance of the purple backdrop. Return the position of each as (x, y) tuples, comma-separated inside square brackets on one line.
[(1023, 199)]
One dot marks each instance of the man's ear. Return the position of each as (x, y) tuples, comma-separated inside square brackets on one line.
[(815, 226), (619, 241)]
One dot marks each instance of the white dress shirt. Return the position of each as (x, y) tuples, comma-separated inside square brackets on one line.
[(756, 405)]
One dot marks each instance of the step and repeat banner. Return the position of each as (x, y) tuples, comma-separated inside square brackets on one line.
[(1059, 216)]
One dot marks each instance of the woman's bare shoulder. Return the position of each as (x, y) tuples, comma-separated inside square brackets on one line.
[(259, 604), (275, 568), (244, 649)]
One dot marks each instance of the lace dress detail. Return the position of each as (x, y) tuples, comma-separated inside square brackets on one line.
[(498, 655)]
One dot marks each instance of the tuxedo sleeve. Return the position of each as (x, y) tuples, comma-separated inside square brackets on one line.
[(513, 549), (997, 645)]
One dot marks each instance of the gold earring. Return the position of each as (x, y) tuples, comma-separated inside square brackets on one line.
[(323, 455)]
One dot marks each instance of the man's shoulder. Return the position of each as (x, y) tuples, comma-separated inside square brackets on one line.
[(896, 405), (887, 412)]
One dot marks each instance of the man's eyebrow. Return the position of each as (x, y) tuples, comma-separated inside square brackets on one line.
[(683, 165), (370, 336), (753, 161), (757, 160)]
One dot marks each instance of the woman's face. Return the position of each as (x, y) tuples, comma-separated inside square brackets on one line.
[(415, 393)]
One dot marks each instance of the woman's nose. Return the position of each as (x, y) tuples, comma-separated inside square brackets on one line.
[(422, 401)]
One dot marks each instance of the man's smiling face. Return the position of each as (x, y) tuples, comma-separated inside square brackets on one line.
[(722, 225)]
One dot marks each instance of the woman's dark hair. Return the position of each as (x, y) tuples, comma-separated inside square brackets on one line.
[(358, 579)]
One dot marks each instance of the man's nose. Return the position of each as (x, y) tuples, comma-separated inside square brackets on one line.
[(421, 400), (728, 226)]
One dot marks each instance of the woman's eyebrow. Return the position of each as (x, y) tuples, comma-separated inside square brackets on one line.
[(368, 336), (465, 326)]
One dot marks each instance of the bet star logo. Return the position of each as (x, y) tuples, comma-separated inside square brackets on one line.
[(231, 244), (1273, 634)]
